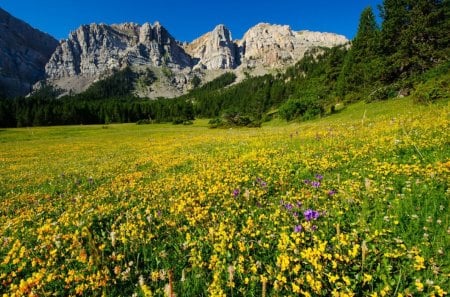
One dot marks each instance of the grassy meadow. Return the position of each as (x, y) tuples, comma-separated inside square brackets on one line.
[(354, 204)]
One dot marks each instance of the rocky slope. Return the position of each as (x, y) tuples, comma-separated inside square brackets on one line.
[(93, 51), (214, 50), (275, 46), (24, 51)]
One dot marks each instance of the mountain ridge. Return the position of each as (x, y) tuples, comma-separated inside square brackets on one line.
[(94, 50), (24, 51)]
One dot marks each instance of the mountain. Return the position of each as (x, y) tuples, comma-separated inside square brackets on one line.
[(274, 45), (24, 51), (214, 50), (97, 50), (94, 49), (93, 52)]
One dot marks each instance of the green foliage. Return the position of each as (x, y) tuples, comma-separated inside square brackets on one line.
[(383, 93), (196, 81), (304, 109), (167, 72), (360, 65), (145, 79), (46, 92), (432, 90), (415, 36), (119, 84), (2, 91), (218, 83), (215, 123), (232, 119)]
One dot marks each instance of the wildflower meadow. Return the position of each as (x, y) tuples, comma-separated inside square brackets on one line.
[(354, 204)]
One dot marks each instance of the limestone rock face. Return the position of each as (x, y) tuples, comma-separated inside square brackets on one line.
[(214, 50), (24, 51), (275, 45), (95, 49)]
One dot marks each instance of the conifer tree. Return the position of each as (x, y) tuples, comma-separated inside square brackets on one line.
[(359, 69), (414, 36)]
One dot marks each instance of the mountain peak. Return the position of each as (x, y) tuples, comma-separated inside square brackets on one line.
[(214, 50), (23, 54), (278, 45)]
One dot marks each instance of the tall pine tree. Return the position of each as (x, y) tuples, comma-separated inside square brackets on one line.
[(414, 36), (359, 69)]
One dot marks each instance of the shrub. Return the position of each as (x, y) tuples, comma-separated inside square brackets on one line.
[(303, 109), (432, 90)]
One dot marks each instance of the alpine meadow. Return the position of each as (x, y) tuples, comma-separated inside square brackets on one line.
[(327, 177)]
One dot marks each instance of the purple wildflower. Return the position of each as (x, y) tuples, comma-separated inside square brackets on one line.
[(261, 182), (310, 214), (319, 177), (299, 203), (236, 192), (331, 192), (307, 181), (313, 228), (315, 184), (288, 206), (295, 214), (298, 228)]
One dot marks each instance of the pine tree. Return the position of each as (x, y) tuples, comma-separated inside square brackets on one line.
[(359, 69), (414, 36)]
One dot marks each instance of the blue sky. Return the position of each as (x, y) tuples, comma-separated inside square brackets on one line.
[(188, 20)]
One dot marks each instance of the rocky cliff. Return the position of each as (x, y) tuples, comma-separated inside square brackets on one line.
[(93, 51), (24, 51), (274, 45), (214, 50)]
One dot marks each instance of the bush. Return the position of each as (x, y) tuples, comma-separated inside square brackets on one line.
[(432, 90), (143, 122), (303, 109), (180, 121), (230, 120), (383, 93), (215, 123)]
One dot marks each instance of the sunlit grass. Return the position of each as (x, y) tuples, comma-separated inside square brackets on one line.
[(354, 204)]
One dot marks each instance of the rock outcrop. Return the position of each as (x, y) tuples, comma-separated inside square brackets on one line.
[(214, 50), (24, 51), (93, 50), (274, 45)]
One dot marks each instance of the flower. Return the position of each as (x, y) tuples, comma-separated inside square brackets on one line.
[(288, 206), (298, 228), (315, 184), (310, 214), (236, 192)]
